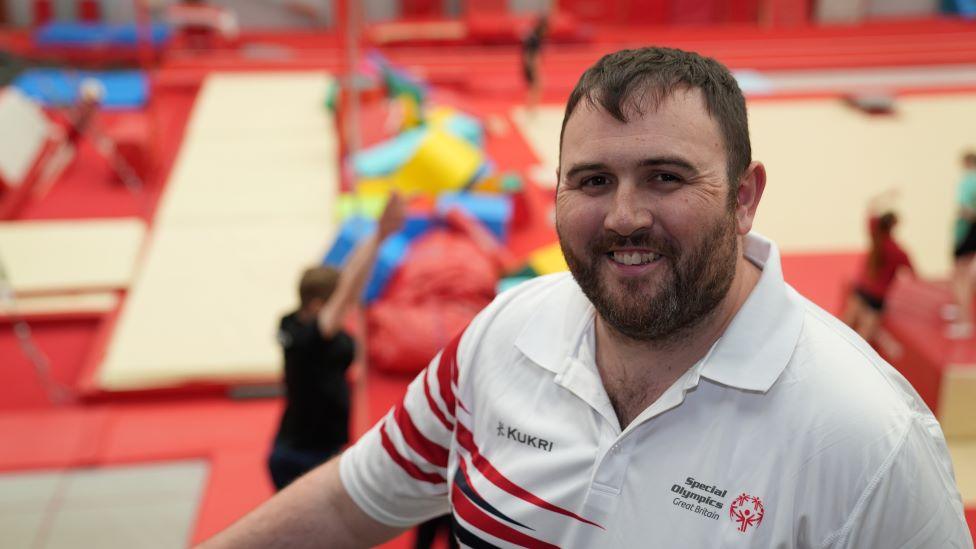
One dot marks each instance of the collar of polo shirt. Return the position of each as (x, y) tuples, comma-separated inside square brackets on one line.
[(750, 355)]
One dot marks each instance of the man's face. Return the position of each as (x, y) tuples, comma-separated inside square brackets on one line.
[(643, 215)]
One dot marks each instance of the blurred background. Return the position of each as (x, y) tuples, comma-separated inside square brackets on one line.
[(168, 170)]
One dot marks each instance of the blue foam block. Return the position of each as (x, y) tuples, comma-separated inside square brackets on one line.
[(494, 211), (391, 255), (386, 157), (352, 230), (467, 128), (416, 224), (510, 282), (88, 35), (55, 87)]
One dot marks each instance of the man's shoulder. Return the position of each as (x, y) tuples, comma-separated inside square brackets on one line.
[(528, 297), (839, 377), (535, 304)]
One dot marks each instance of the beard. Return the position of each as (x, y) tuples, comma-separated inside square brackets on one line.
[(691, 285)]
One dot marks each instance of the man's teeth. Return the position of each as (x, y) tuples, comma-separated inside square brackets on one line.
[(634, 258)]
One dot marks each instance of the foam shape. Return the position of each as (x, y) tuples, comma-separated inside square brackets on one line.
[(375, 187), (45, 257), (54, 87), (493, 210), (416, 224), (353, 230), (385, 158), (391, 255), (510, 282), (462, 125), (547, 260), (23, 131), (442, 162), (363, 205), (66, 33)]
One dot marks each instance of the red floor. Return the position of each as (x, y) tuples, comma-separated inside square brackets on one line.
[(234, 435)]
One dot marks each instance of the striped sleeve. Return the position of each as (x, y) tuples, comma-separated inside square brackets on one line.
[(397, 472)]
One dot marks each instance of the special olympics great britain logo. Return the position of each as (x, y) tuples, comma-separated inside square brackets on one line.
[(747, 511)]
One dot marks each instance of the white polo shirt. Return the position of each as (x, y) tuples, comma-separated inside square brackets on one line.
[(790, 432)]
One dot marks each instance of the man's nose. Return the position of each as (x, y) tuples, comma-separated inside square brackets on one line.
[(629, 211)]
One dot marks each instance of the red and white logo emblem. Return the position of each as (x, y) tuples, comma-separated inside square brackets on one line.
[(747, 511)]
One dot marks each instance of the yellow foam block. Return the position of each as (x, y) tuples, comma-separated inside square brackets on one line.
[(440, 114), (493, 183), (548, 260), (442, 162), (378, 186)]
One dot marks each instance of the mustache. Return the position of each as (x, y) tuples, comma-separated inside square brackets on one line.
[(610, 240)]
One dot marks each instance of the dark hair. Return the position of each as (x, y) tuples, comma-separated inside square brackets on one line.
[(880, 231), (969, 158), (642, 78), (317, 282)]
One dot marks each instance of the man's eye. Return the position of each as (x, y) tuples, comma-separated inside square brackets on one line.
[(667, 178), (594, 181)]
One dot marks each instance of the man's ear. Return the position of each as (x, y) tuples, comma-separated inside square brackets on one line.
[(751, 187)]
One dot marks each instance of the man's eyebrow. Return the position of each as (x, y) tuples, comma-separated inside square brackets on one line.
[(587, 167), (676, 161), (650, 162)]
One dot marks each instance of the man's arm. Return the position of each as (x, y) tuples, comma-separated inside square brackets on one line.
[(314, 511)]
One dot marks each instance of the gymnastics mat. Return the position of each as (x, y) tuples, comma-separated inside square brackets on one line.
[(58, 87), (24, 129), (50, 257), (824, 160), (98, 35), (248, 205), (942, 370), (83, 305)]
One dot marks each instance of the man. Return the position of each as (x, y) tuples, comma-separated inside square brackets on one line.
[(674, 392)]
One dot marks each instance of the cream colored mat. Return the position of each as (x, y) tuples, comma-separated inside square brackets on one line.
[(824, 160), (247, 207), (85, 303), (48, 257), (957, 402), (963, 453)]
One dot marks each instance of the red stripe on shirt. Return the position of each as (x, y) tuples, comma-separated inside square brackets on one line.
[(484, 522), (466, 440), (434, 406), (445, 373), (405, 463), (430, 450)]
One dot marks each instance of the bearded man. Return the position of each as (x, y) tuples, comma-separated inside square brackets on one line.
[(673, 391)]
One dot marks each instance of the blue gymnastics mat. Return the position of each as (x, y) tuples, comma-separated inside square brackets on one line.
[(55, 87), (87, 35)]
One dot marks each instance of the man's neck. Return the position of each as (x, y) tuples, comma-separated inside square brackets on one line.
[(636, 373)]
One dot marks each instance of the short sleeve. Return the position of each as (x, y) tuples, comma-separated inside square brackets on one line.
[(967, 192), (912, 502), (398, 471)]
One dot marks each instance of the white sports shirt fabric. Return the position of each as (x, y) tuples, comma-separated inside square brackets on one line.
[(790, 433)]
